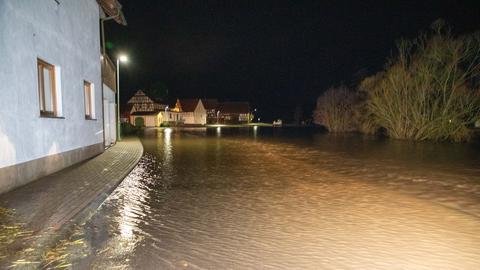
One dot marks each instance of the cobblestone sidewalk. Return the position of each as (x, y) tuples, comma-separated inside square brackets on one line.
[(49, 203)]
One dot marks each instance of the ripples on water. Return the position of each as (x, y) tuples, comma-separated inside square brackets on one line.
[(289, 199)]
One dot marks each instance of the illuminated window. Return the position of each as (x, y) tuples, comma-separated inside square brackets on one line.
[(89, 95), (48, 92)]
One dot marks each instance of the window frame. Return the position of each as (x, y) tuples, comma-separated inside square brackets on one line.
[(89, 113), (41, 65)]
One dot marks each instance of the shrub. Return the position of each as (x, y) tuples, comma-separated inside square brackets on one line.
[(362, 117), (128, 129), (334, 109), (430, 90)]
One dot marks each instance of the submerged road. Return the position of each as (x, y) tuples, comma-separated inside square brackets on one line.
[(206, 200)]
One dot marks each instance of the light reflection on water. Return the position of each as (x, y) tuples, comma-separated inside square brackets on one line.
[(275, 199)]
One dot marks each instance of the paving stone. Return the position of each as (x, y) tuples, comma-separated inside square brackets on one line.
[(47, 204)]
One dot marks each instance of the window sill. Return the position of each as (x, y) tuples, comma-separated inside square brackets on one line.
[(91, 119), (51, 116)]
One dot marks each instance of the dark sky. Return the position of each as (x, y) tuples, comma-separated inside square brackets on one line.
[(274, 54)]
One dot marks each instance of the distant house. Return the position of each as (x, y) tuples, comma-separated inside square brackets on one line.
[(140, 102), (211, 106), (233, 112), (51, 92), (143, 111), (192, 111)]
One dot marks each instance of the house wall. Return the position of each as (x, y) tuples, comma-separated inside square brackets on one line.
[(211, 116), (200, 114), (233, 118), (188, 118), (197, 117), (109, 119), (65, 34), (148, 120), (151, 121), (170, 117)]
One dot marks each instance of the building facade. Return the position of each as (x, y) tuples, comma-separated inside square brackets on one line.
[(192, 110), (51, 92), (143, 111), (109, 102), (211, 106), (233, 113)]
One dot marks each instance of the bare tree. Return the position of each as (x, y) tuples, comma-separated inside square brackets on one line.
[(429, 90), (334, 109)]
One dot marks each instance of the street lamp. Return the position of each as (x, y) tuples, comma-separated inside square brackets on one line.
[(251, 117), (121, 58), (166, 108)]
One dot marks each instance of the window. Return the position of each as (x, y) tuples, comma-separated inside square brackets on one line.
[(47, 89), (88, 92)]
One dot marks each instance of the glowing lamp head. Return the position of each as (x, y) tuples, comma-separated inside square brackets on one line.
[(123, 58)]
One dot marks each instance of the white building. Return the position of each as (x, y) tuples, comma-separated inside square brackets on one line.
[(156, 118), (109, 103), (192, 110), (143, 111), (51, 113)]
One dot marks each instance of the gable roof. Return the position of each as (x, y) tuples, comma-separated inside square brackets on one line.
[(210, 103), (140, 97), (234, 107), (188, 105)]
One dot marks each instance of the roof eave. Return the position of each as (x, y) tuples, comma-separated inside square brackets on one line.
[(113, 9)]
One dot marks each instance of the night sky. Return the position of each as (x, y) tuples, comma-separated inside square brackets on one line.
[(275, 54)]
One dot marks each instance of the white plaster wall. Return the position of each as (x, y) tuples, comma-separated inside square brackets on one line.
[(151, 121), (148, 120), (110, 124), (66, 35), (200, 114), (188, 118), (197, 117)]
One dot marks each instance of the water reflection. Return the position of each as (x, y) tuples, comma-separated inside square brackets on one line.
[(205, 199), (167, 146), (118, 230)]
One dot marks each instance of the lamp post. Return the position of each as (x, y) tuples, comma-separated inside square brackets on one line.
[(123, 59), (166, 108)]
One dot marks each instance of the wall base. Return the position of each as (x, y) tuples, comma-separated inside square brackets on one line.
[(20, 174)]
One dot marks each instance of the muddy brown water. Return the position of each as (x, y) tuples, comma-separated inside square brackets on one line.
[(263, 198)]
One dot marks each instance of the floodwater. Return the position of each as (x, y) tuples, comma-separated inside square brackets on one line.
[(263, 198)]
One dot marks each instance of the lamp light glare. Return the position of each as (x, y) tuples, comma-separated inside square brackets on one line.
[(123, 58)]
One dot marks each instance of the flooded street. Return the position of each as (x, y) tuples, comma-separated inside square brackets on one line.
[(263, 198)]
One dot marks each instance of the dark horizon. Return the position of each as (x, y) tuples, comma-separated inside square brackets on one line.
[(274, 54)]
